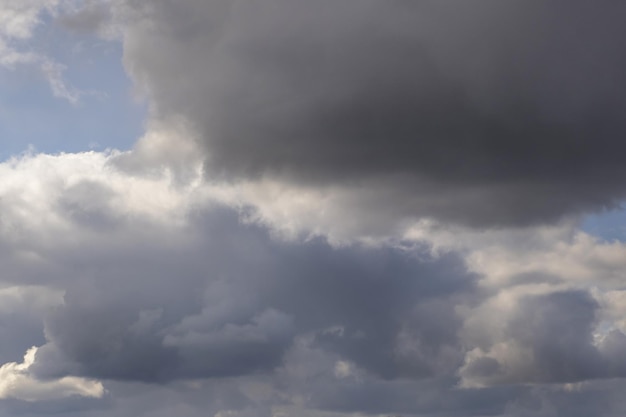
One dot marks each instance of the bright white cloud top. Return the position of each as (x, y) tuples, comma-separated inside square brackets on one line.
[(199, 274), (16, 383)]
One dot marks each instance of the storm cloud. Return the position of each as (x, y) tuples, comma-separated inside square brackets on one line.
[(495, 113)]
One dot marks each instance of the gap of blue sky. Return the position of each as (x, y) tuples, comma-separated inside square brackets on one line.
[(610, 225), (107, 116)]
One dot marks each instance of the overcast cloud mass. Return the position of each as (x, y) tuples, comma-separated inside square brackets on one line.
[(337, 208), (484, 113)]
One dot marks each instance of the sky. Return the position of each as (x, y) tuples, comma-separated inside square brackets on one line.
[(286, 208)]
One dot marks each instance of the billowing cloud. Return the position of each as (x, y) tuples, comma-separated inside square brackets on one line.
[(198, 293), (16, 382), (484, 113), (164, 283), (308, 226)]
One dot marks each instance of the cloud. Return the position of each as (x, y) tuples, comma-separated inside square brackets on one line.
[(22, 309), (162, 282), (19, 21), (239, 300), (88, 17), (479, 113), (549, 340), (148, 280), (20, 18), (16, 382), (557, 294), (308, 225)]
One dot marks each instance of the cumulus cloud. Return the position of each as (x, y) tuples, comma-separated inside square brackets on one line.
[(549, 340), (308, 225), (19, 21), (155, 279), (164, 282), (558, 294), (16, 382)]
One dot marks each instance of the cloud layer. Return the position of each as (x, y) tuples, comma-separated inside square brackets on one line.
[(337, 209), (165, 285)]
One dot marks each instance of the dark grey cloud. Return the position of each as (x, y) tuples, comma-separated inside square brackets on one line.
[(20, 326), (233, 302), (493, 113), (76, 406), (408, 398)]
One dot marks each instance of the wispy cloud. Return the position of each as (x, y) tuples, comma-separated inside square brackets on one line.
[(19, 21)]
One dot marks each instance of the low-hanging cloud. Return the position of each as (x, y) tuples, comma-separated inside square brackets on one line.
[(483, 113)]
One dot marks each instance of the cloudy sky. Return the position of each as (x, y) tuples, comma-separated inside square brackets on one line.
[(296, 208)]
